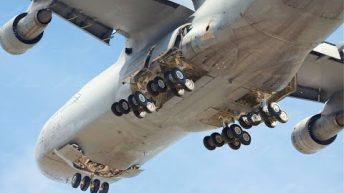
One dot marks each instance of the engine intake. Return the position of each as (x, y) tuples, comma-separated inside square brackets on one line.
[(24, 31), (303, 137)]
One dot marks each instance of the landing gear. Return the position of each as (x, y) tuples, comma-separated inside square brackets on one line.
[(233, 135), (209, 143), (270, 114), (104, 188), (95, 186), (140, 104), (86, 182), (245, 138), (76, 180), (235, 145), (217, 139)]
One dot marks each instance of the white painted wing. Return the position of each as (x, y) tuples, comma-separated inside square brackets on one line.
[(136, 19), (322, 73)]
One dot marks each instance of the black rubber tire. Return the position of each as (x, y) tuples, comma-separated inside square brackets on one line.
[(251, 117), (235, 145), (242, 121), (140, 98), (245, 138), (227, 135), (274, 109), (160, 83), (206, 143), (264, 113), (189, 85), (76, 180), (152, 88), (179, 92), (104, 188), (270, 123), (177, 76), (132, 102), (85, 183), (124, 106), (167, 80), (116, 110), (237, 130), (95, 186), (152, 109), (283, 117), (217, 139), (139, 114)]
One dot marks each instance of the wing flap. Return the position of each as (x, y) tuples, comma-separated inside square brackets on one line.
[(97, 29), (131, 18)]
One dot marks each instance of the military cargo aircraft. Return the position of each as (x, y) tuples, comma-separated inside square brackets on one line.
[(227, 63)]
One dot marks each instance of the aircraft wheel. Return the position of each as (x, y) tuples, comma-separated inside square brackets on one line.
[(217, 139), (243, 121), (189, 85), (116, 109), (161, 85), (140, 114), (254, 118), (85, 183), (270, 123), (104, 188), (283, 117), (76, 180), (124, 106), (209, 143), (231, 133), (150, 107), (235, 145), (132, 102), (152, 88), (245, 138), (177, 76), (95, 185), (140, 98), (178, 91), (274, 109)]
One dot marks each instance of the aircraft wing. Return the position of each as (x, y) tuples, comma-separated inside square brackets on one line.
[(322, 74), (132, 18)]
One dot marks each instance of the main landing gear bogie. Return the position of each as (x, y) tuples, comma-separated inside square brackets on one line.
[(141, 105), (270, 114), (235, 136), (86, 183), (232, 135)]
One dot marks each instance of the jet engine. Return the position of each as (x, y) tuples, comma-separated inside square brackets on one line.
[(24, 31), (319, 131)]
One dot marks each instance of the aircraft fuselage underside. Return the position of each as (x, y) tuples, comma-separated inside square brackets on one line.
[(237, 56)]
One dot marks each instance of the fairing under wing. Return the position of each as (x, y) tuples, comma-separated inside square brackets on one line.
[(132, 18), (322, 74)]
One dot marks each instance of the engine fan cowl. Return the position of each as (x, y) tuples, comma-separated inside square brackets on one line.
[(24, 31), (303, 138)]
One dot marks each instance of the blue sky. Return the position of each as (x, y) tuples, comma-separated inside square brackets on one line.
[(33, 86)]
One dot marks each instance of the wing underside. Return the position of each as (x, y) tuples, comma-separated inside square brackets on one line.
[(322, 74), (128, 17)]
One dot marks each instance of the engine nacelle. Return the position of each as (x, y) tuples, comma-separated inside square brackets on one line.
[(319, 131), (303, 137), (24, 31)]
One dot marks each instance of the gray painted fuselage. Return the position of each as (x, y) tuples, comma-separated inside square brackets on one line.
[(244, 46)]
